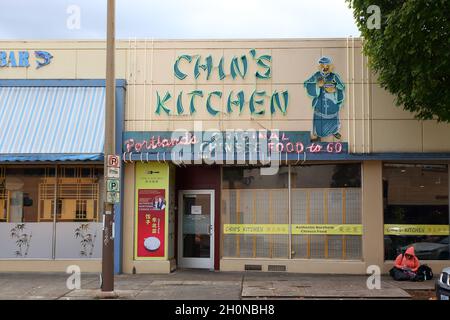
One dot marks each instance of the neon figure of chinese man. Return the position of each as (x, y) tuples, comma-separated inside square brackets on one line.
[(327, 91)]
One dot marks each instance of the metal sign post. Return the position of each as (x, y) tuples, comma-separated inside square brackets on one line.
[(110, 159)]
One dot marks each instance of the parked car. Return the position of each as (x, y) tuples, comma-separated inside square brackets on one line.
[(431, 250), (443, 285)]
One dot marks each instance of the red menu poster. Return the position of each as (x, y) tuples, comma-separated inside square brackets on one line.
[(150, 221)]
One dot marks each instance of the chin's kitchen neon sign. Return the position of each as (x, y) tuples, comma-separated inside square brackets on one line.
[(21, 59), (191, 67)]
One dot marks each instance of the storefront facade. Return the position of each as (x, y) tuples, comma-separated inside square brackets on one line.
[(264, 155), (51, 163)]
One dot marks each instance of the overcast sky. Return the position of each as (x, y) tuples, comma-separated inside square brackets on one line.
[(178, 19)]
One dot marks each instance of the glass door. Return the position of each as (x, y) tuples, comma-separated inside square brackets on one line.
[(196, 231)]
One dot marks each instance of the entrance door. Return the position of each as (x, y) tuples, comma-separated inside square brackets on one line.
[(196, 229)]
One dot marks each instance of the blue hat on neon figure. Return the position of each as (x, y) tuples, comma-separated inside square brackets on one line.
[(325, 65)]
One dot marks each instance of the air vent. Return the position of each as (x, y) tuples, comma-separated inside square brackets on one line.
[(253, 267), (276, 268)]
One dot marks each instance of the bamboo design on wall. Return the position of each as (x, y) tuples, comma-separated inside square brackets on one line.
[(23, 240), (87, 240)]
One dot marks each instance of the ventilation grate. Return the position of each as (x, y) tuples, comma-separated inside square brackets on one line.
[(276, 268), (253, 267)]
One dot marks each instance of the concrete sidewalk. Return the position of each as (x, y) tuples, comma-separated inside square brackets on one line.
[(205, 285)]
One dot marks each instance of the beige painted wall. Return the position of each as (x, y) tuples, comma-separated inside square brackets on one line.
[(299, 266), (370, 120), (372, 213)]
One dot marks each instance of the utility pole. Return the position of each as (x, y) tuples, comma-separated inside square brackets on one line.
[(109, 149)]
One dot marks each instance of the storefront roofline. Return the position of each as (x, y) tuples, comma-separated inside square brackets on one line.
[(5, 158), (284, 39), (121, 83), (143, 43)]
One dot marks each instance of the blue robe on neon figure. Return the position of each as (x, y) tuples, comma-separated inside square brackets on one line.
[(327, 91)]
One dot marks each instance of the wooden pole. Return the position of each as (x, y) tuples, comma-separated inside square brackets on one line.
[(109, 149)]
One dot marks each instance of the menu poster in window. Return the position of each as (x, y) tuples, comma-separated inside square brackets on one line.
[(151, 223)]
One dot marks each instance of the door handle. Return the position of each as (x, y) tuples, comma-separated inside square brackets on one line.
[(211, 229)]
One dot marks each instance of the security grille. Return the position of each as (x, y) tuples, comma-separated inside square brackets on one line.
[(252, 267), (309, 206), (78, 195), (255, 206)]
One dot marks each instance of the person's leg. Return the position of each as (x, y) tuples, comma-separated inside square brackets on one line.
[(417, 276), (400, 275)]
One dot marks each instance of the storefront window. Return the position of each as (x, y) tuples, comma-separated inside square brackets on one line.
[(326, 211), (416, 211), (22, 189), (22, 233), (79, 193), (30, 196), (255, 206)]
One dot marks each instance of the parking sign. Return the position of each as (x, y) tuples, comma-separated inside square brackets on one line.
[(113, 161), (112, 197), (112, 185)]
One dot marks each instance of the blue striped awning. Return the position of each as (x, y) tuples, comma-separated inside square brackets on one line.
[(51, 123)]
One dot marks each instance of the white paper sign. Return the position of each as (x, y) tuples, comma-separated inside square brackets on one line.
[(196, 209), (113, 173)]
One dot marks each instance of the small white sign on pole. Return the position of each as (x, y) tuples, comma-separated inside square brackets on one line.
[(113, 173)]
